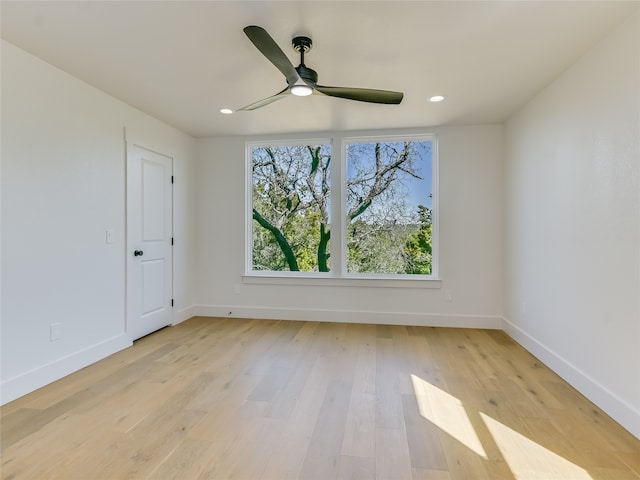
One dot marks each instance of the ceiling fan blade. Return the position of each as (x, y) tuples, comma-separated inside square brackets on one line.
[(362, 94), (270, 49), (265, 101)]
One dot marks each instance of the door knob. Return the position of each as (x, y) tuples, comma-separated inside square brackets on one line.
[(138, 253)]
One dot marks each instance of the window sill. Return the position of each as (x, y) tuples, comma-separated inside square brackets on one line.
[(341, 281)]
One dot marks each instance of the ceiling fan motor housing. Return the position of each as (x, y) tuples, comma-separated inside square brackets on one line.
[(307, 74)]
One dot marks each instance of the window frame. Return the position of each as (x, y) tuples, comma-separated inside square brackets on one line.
[(338, 274), (248, 270)]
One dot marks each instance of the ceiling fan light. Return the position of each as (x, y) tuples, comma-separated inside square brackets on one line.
[(436, 98), (301, 90)]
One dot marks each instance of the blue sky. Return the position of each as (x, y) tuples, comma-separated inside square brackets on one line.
[(419, 190)]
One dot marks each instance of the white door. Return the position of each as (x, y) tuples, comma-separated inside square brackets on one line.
[(149, 241)]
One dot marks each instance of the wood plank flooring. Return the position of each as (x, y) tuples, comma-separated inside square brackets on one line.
[(273, 400)]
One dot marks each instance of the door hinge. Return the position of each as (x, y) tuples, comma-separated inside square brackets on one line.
[(172, 302), (171, 240), (171, 178)]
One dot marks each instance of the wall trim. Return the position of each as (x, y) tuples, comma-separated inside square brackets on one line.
[(183, 314), (31, 380), (620, 410), (351, 316)]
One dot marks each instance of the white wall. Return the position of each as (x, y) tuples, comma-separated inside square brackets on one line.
[(63, 185), (470, 243), (572, 225), (570, 181)]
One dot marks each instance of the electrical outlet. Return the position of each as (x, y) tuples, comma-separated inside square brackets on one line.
[(448, 296), (109, 236)]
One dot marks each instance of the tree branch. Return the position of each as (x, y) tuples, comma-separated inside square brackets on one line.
[(280, 239)]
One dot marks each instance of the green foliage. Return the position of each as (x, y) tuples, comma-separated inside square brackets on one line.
[(418, 247), (392, 248), (290, 200), (374, 248), (291, 192)]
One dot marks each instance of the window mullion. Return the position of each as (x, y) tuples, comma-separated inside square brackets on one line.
[(338, 237)]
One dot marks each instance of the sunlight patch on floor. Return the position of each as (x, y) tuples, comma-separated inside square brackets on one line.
[(447, 413), (526, 459), (529, 460)]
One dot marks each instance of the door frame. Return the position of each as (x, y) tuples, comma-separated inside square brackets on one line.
[(135, 141)]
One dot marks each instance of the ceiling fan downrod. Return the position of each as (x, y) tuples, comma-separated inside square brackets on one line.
[(303, 45)]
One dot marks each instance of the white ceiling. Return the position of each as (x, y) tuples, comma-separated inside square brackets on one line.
[(181, 61)]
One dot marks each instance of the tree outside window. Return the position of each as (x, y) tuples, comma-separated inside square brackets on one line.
[(388, 207), (387, 211), (291, 195)]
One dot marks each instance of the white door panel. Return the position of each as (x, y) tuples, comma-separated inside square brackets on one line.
[(149, 234), (153, 285), (153, 200)]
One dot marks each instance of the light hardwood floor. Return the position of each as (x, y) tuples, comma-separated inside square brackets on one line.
[(259, 399)]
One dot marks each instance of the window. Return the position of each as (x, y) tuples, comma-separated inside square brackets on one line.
[(290, 207), (388, 207), (381, 190)]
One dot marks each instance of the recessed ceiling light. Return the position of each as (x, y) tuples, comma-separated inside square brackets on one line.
[(226, 111), (436, 98)]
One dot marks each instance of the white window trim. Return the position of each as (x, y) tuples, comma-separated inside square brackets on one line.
[(337, 276), (273, 278)]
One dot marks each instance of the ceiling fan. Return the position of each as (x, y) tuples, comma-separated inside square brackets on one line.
[(302, 80)]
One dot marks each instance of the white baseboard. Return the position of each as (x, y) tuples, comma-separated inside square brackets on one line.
[(351, 316), (27, 382), (621, 411), (183, 314)]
